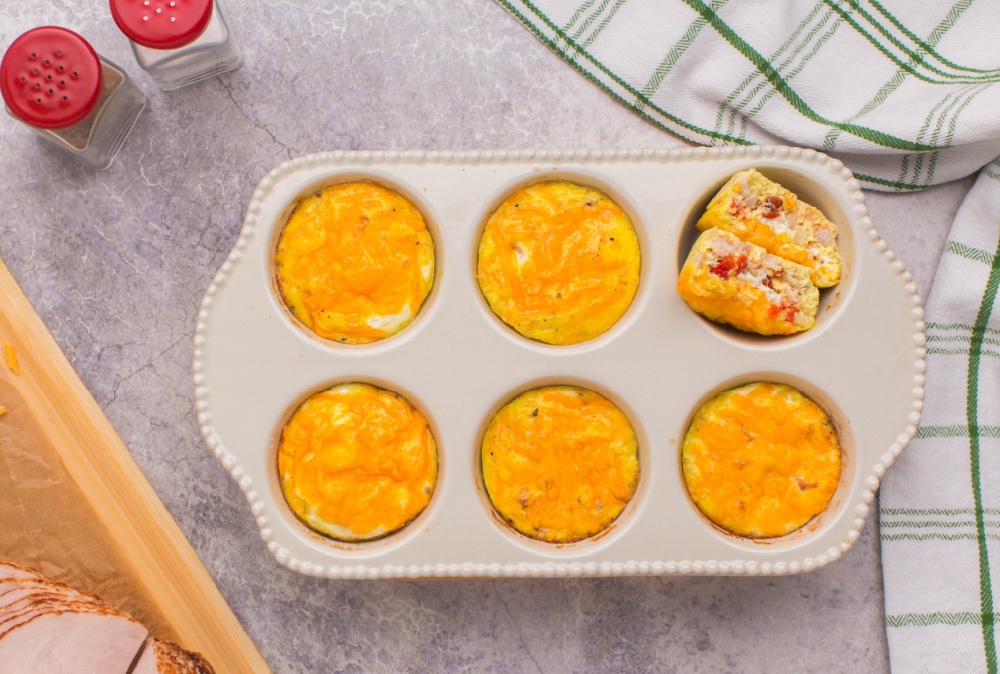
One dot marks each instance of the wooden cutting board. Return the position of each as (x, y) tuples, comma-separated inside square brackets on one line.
[(159, 557)]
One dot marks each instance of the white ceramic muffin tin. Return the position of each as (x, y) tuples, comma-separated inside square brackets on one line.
[(457, 363)]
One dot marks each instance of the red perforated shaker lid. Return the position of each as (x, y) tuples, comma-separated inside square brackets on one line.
[(162, 24), (51, 78)]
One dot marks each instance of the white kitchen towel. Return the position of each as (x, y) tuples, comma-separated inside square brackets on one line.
[(940, 502), (907, 94)]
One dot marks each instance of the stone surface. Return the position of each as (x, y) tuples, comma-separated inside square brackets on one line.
[(116, 263)]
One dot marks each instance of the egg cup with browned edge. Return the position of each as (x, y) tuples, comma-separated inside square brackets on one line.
[(560, 463), (357, 462), (761, 460), (559, 262), (354, 262)]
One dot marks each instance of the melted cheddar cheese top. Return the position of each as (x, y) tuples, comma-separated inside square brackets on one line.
[(560, 463), (559, 262), (357, 462), (761, 460), (355, 262)]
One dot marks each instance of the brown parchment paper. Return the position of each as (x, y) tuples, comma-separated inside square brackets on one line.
[(47, 524)]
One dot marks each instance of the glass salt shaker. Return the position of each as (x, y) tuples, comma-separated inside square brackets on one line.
[(178, 42), (54, 82)]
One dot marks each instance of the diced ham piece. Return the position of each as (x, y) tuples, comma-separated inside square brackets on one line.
[(163, 657), (96, 640)]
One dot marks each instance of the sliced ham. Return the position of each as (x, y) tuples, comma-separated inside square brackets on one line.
[(48, 627), (8, 570), (25, 596), (49, 605), (12, 591), (70, 641), (164, 657)]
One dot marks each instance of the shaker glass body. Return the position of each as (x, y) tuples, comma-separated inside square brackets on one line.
[(206, 55), (56, 84)]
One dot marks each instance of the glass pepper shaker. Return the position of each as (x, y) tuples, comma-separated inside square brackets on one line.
[(54, 82), (178, 42)]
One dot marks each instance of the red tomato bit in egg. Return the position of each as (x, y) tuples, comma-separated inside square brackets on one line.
[(790, 311), (729, 265)]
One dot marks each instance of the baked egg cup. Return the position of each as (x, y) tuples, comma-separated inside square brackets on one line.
[(354, 262), (762, 259), (761, 460), (357, 462), (559, 262), (560, 463)]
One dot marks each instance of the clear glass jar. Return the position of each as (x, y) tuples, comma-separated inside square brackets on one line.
[(54, 82), (178, 42)]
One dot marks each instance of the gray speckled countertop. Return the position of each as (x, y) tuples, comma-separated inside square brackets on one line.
[(116, 264)]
